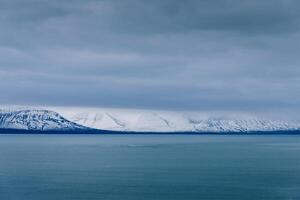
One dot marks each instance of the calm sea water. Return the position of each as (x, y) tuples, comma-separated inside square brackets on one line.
[(156, 167)]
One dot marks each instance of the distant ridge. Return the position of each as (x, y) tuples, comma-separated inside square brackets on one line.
[(147, 122), (164, 121)]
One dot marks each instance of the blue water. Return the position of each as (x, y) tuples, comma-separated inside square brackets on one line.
[(156, 167)]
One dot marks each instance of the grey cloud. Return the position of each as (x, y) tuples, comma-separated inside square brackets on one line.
[(167, 54), (241, 16)]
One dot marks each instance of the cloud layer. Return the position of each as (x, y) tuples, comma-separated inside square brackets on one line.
[(198, 55)]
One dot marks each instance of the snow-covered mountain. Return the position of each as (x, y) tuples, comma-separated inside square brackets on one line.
[(57, 118), (163, 121), (31, 119)]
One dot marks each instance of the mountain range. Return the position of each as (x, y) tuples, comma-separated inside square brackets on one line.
[(138, 121)]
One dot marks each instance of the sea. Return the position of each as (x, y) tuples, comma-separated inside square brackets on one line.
[(149, 167)]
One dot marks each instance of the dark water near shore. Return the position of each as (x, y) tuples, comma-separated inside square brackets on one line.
[(137, 167)]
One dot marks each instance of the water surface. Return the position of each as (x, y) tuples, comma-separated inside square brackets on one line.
[(137, 167)]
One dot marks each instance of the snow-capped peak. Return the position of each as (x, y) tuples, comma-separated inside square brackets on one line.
[(33, 119)]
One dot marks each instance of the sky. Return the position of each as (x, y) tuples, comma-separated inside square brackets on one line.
[(158, 54)]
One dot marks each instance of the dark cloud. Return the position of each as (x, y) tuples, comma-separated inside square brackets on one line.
[(208, 54)]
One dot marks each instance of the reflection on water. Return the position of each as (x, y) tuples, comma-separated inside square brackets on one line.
[(37, 167)]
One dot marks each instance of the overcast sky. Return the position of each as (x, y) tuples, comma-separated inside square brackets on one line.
[(160, 54)]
